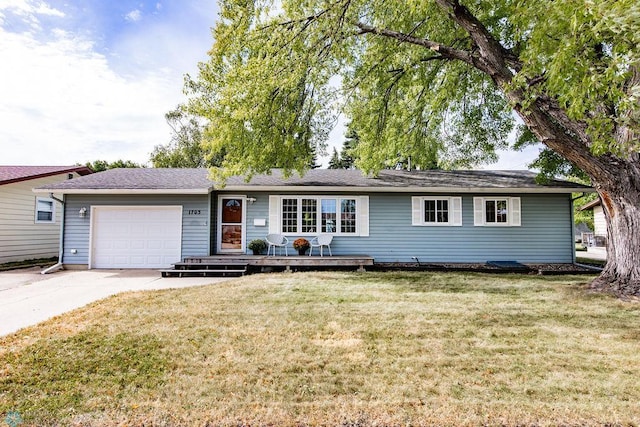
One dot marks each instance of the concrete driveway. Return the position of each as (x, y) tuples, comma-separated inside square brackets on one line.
[(28, 297)]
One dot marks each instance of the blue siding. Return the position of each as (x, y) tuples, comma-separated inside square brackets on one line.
[(544, 236), (195, 227), (258, 210)]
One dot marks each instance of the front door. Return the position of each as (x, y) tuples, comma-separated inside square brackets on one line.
[(231, 220)]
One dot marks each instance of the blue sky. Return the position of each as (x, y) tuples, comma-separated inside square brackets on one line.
[(92, 79), (85, 80)]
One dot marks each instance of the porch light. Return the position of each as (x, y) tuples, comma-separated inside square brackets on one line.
[(251, 200), (83, 212)]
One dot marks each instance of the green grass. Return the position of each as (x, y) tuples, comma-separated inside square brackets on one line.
[(335, 349)]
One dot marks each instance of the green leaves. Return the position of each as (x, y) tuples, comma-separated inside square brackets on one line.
[(585, 53), (279, 73)]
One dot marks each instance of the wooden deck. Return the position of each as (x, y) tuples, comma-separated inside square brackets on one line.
[(241, 264)]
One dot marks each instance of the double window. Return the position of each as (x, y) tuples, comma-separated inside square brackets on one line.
[(437, 211), (447, 211), (319, 214), (45, 210)]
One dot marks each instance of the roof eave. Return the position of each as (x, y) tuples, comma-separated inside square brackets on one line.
[(345, 189), (122, 191)]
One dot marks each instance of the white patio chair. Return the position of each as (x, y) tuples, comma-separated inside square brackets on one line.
[(277, 241), (320, 241)]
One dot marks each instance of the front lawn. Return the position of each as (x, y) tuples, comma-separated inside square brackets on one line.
[(338, 349)]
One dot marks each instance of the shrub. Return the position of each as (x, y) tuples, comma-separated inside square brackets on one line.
[(257, 246)]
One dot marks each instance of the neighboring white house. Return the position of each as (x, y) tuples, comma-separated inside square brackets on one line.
[(596, 242), (29, 222)]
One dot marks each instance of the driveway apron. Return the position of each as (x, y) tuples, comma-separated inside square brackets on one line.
[(28, 297)]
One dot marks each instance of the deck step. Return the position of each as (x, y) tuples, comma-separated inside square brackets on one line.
[(206, 269), (208, 272), (208, 264)]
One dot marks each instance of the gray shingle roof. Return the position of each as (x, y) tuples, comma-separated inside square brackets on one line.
[(140, 179), (9, 174), (197, 180)]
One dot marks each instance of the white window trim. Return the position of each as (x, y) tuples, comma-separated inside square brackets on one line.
[(53, 210), (362, 214), (514, 212), (455, 211)]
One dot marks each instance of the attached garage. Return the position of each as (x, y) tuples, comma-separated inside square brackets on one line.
[(135, 236)]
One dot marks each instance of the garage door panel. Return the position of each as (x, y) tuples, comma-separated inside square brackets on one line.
[(136, 237), (138, 244), (155, 244)]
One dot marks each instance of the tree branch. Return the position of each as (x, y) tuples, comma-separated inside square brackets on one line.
[(490, 48), (442, 49)]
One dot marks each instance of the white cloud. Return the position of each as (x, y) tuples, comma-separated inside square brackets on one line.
[(26, 7), (62, 103), (28, 12), (133, 16)]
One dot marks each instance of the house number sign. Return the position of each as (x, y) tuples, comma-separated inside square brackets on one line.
[(194, 212)]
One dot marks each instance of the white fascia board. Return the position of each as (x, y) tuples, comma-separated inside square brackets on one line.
[(123, 191), (446, 190)]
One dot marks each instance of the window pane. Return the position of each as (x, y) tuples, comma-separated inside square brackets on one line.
[(309, 215), (328, 207), (490, 210), (443, 210), (45, 216), (44, 210), (429, 211), (232, 211), (231, 237), (348, 216), (44, 205), (501, 211), (290, 215)]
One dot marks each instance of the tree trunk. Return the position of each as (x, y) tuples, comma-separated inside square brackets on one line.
[(617, 181), (621, 206), (615, 177)]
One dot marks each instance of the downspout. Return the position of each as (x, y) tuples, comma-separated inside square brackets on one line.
[(58, 265)]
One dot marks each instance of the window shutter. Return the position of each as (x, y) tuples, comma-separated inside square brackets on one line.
[(363, 215), (274, 214), (478, 211), (416, 210), (456, 211), (514, 214)]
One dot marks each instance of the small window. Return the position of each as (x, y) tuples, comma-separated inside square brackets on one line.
[(444, 211), (45, 210), (496, 211)]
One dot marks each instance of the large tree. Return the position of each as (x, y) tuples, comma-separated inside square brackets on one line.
[(185, 150), (416, 76)]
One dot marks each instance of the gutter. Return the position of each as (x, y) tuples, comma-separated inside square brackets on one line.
[(58, 265)]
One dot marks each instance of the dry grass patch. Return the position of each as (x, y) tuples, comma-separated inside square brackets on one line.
[(334, 349)]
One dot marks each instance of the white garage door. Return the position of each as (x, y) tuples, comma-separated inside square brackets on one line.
[(136, 237)]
